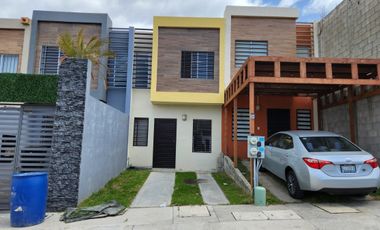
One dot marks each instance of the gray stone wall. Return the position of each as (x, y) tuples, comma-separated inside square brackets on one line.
[(236, 175), (336, 119), (368, 124), (352, 29), (67, 135)]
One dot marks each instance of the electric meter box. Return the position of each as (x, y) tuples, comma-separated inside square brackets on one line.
[(256, 147)]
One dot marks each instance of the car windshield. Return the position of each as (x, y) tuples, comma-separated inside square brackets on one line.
[(328, 144)]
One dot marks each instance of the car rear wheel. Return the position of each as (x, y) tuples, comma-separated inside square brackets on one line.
[(293, 186)]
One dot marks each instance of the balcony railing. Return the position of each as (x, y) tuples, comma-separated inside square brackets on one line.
[(293, 70)]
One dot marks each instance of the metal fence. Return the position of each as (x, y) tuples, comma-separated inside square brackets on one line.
[(26, 134)]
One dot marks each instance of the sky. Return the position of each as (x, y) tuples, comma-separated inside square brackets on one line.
[(139, 13)]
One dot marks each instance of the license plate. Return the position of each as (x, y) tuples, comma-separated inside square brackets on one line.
[(348, 168)]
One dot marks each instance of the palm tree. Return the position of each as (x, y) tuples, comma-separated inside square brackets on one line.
[(78, 48)]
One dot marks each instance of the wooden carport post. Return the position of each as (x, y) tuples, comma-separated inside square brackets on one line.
[(252, 127), (352, 114), (235, 134)]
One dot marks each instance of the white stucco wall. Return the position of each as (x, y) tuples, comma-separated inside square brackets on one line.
[(104, 145), (186, 160)]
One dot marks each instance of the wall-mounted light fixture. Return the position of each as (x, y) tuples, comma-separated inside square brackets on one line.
[(257, 103), (25, 21), (184, 117)]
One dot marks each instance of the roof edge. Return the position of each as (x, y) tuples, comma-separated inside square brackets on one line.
[(254, 11)]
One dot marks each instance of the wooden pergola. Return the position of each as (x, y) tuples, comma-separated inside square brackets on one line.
[(333, 81)]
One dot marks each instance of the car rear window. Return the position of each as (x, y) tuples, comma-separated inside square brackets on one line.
[(328, 144)]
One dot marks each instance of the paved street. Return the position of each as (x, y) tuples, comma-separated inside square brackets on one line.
[(356, 215)]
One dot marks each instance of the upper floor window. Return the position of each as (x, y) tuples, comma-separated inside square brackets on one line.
[(196, 64), (49, 63), (245, 49), (303, 51), (8, 63)]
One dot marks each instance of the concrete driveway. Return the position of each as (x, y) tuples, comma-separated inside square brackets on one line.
[(355, 215)]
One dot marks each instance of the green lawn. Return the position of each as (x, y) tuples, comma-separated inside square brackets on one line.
[(232, 191), (122, 188), (186, 193)]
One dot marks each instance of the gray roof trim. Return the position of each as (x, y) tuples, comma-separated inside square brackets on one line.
[(71, 17)]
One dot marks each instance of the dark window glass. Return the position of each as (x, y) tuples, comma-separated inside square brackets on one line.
[(272, 141), (202, 136), (303, 119), (285, 142), (199, 65), (140, 132), (328, 144)]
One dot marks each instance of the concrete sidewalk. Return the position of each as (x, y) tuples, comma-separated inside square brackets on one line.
[(353, 216)]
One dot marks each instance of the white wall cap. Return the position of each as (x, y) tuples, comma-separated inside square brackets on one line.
[(11, 23), (254, 11)]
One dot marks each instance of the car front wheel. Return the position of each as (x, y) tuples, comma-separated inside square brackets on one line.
[(293, 186)]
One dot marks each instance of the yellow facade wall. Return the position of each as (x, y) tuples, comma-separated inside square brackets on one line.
[(187, 97)]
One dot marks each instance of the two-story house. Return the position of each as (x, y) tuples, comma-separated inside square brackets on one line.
[(177, 122)]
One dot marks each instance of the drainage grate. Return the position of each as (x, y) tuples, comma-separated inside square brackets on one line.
[(195, 181)]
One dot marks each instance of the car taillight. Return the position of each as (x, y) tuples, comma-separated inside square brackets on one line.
[(315, 163), (372, 162)]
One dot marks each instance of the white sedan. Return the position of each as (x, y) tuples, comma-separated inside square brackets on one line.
[(320, 161)]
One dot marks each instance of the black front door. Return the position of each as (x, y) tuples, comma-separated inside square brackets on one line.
[(165, 133), (278, 120)]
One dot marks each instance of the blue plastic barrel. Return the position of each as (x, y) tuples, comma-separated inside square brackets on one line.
[(28, 198)]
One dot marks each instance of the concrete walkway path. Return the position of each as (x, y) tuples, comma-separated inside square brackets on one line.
[(157, 190), (212, 194)]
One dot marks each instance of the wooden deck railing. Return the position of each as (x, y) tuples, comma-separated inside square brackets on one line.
[(293, 70)]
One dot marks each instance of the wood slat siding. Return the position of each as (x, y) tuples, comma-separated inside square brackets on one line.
[(279, 32), (48, 33), (171, 42), (304, 36), (11, 42)]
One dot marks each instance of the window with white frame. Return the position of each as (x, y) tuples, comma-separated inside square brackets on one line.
[(245, 48), (49, 63), (202, 136), (8, 63), (196, 64)]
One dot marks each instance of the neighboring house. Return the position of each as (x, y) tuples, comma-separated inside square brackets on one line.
[(14, 45), (44, 52), (257, 31), (39, 136)]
